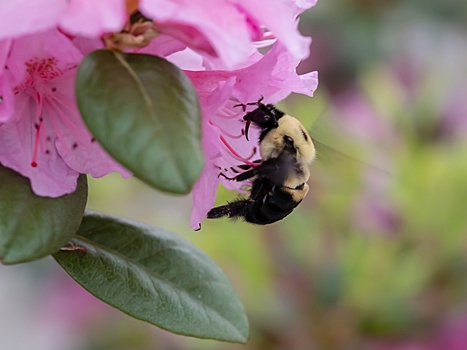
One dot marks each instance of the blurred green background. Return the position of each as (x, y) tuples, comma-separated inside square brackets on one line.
[(374, 258)]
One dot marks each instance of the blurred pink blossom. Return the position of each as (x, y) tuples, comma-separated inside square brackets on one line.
[(452, 119), (449, 334), (357, 118), (224, 144), (46, 139), (67, 305), (452, 335)]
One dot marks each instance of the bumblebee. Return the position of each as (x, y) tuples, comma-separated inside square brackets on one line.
[(279, 180)]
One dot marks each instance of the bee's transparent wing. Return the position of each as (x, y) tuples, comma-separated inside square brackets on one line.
[(342, 166)]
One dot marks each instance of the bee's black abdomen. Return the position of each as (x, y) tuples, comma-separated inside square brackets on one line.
[(274, 208), (266, 205)]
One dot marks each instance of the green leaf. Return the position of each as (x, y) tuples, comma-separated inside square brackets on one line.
[(155, 276), (32, 227), (145, 112)]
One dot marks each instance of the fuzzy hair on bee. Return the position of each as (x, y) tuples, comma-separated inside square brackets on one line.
[(279, 180)]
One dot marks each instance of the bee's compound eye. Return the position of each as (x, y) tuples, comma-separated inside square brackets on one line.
[(288, 140)]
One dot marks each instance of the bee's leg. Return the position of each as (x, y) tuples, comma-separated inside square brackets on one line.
[(242, 166), (240, 177), (246, 175), (241, 105), (256, 103), (226, 177), (235, 209), (257, 189)]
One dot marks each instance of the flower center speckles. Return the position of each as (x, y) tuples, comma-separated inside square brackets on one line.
[(40, 69), (45, 68), (53, 112)]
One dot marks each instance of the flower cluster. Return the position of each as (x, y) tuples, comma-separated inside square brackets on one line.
[(216, 42)]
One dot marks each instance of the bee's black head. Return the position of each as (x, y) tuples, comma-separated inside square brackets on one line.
[(264, 117)]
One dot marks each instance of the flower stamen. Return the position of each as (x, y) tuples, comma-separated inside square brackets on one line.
[(237, 156), (227, 133), (226, 113), (36, 143)]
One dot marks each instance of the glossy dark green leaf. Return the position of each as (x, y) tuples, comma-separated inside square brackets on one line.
[(145, 113), (156, 276), (32, 227)]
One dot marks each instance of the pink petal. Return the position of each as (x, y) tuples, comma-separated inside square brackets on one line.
[(22, 17), (204, 191), (213, 26), (51, 43), (188, 34), (6, 91), (163, 46), (305, 4), (285, 29), (5, 46), (273, 76), (87, 45), (187, 59), (93, 18), (7, 99), (51, 177)]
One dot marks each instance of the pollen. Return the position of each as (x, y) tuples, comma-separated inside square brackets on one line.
[(39, 69), (45, 68)]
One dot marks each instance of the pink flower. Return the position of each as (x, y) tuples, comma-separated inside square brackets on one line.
[(216, 27), (229, 29), (46, 139), (77, 17), (43, 136), (93, 18), (281, 20), (224, 144), (451, 334), (224, 29)]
